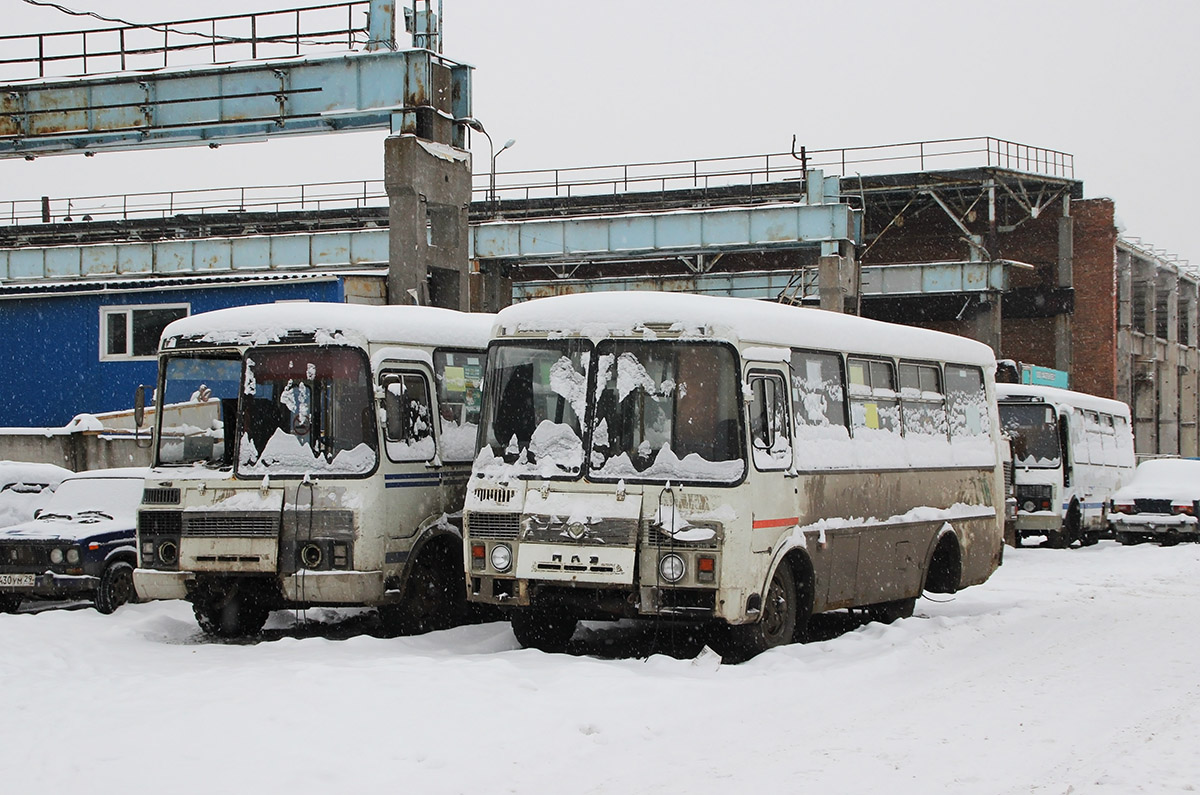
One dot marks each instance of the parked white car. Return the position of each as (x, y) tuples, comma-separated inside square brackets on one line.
[(25, 487), (1161, 503)]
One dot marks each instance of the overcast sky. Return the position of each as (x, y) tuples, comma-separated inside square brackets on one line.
[(642, 80)]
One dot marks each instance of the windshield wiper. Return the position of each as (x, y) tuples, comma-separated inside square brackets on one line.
[(45, 515), (94, 512)]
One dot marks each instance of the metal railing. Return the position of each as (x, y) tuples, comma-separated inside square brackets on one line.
[(208, 40), (703, 174), (213, 201)]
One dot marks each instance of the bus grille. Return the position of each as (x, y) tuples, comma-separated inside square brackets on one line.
[(604, 531), (231, 524), (160, 496), (493, 525), (160, 522), (500, 494)]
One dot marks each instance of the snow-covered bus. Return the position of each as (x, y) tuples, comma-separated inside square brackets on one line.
[(1070, 452), (312, 454), (730, 461)]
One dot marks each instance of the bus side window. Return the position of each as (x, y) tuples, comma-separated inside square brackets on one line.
[(922, 403), (408, 427), (967, 402), (873, 397), (770, 437), (459, 377)]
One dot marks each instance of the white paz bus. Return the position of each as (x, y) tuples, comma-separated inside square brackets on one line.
[(1070, 452), (723, 460), (312, 454)]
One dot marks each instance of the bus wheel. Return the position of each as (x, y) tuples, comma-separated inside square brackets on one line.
[(778, 619), (115, 588), (887, 612), (542, 629), (434, 598), (233, 616), (9, 602)]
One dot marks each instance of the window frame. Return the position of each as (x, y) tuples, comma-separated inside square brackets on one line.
[(785, 419), (128, 311), (399, 373)]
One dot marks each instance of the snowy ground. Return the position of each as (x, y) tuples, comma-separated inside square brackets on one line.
[(1071, 671)]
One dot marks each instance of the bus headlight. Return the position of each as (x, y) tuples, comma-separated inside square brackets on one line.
[(501, 557), (671, 567)]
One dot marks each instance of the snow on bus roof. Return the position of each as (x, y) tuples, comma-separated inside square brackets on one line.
[(1063, 397), (598, 315), (264, 323)]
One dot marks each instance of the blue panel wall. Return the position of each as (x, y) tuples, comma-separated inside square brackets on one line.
[(50, 368)]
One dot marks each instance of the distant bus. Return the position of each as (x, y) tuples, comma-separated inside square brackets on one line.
[(1070, 452), (722, 460), (312, 454)]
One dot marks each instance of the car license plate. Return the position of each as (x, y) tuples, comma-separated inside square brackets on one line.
[(16, 579)]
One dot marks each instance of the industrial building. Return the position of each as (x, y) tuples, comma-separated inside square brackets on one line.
[(982, 237)]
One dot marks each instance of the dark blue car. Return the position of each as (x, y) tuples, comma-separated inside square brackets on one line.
[(81, 545)]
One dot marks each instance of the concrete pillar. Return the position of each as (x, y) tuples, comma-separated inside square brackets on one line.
[(1065, 269), (491, 286), (985, 321), (1168, 388), (838, 283), (429, 192)]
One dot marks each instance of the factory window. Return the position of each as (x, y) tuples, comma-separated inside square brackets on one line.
[(132, 332)]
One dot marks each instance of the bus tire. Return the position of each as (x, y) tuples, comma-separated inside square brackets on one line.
[(435, 595), (115, 588), (542, 629), (778, 619), (235, 615), (9, 602), (945, 566), (888, 612)]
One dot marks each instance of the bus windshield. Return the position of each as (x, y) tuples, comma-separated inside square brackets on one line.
[(656, 411), (198, 410), (665, 411), (534, 407), (306, 410), (1033, 429)]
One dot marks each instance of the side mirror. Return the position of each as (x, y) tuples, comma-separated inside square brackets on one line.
[(139, 406), (139, 418)]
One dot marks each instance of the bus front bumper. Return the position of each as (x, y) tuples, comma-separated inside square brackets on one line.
[(311, 587)]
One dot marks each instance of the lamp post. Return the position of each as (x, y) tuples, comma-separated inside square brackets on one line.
[(477, 125)]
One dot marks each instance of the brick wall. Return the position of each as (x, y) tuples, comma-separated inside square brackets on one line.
[(1094, 327)]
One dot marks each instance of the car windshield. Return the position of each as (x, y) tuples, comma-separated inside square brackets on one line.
[(1033, 429), (306, 410), (657, 411), (94, 499)]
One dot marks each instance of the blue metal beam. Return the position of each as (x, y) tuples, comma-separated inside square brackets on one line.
[(679, 232), (212, 104)]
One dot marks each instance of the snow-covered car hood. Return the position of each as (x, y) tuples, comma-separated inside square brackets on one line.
[(1175, 479), (64, 529)]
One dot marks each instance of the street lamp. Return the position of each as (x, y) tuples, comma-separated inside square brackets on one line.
[(477, 125)]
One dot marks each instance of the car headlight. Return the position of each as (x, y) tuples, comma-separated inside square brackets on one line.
[(501, 557), (671, 567), (56, 555), (72, 555)]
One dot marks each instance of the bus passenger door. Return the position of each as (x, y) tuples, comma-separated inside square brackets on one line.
[(410, 468), (772, 477)]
